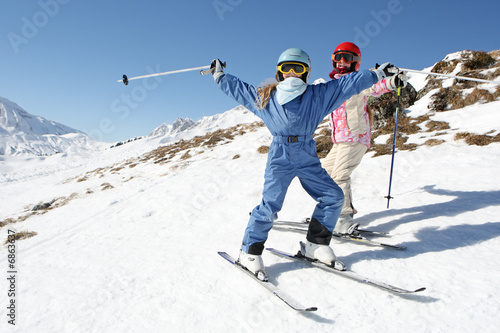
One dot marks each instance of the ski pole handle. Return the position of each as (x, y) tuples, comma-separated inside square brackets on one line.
[(207, 71), (211, 70)]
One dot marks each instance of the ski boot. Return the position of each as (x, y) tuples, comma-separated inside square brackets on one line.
[(345, 226), (322, 253), (254, 264)]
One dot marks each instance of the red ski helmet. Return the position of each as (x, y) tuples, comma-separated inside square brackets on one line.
[(351, 48)]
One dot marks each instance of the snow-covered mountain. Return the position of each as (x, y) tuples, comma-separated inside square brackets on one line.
[(237, 115), (24, 134), (179, 125), (126, 240)]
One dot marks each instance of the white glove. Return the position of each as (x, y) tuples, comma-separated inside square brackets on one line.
[(395, 81), (217, 71), (384, 70)]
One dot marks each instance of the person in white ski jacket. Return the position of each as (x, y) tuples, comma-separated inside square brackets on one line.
[(292, 110), (351, 130)]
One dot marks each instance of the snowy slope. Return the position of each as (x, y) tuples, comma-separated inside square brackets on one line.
[(130, 241), (23, 134)]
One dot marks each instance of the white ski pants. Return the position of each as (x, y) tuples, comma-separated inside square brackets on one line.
[(340, 163)]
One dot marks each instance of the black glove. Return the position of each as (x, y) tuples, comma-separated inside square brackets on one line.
[(385, 70), (398, 80), (217, 69)]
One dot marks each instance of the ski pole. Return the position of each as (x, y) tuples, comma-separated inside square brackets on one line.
[(126, 79), (448, 75), (394, 145)]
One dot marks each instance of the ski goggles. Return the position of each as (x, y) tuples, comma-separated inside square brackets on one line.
[(348, 57), (297, 67)]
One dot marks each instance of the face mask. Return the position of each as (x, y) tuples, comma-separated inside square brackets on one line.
[(289, 89)]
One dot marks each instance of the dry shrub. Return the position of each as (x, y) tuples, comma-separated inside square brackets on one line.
[(432, 83), (479, 60), (218, 136), (323, 142), (444, 67), (186, 155), (106, 186), (263, 149), (478, 95), (495, 54), (3, 223), (381, 150), (406, 125), (422, 118), (401, 140), (433, 142), (165, 154), (446, 99), (434, 125), (386, 149), (21, 235), (116, 169), (91, 174), (473, 62), (40, 209), (493, 75), (477, 139), (21, 218), (451, 98)]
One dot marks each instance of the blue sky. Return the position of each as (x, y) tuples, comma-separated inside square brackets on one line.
[(60, 59)]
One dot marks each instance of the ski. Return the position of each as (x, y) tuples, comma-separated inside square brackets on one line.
[(362, 240), (353, 238), (269, 286), (347, 273), (373, 232), (305, 222)]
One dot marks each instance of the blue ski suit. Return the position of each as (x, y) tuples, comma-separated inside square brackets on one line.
[(292, 152)]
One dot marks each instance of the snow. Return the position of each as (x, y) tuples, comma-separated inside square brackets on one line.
[(131, 245), (475, 118), (23, 134), (418, 81)]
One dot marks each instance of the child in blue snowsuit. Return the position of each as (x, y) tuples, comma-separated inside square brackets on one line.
[(292, 111)]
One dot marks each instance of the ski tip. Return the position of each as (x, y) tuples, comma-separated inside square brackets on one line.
[(271, 249), (420, 289), (226, 256), (311, 309)]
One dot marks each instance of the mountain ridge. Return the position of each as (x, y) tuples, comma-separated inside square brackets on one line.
[(25, 134)]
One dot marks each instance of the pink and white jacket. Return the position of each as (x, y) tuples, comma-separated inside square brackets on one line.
[(350, 122)]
